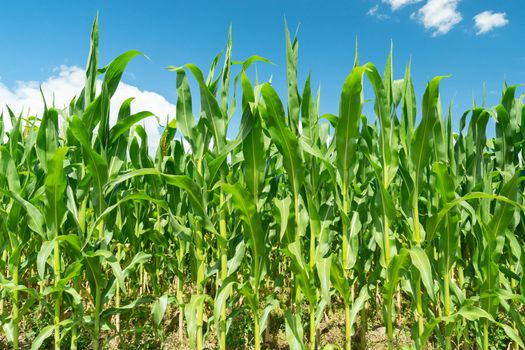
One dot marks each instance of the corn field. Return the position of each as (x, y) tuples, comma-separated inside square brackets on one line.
[(392, 221)]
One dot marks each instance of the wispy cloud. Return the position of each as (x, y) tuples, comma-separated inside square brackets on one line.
[(67, 82), (440, 16), (374, 12), (397, 4), (486, 21)]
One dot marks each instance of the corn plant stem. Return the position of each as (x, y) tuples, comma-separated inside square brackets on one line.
[(297, 238), (296, 213), (56, 260), (389, 326), (417, 236), (145, 286), (157, 258), (74, 338), (386, 243), (398, 303), (256, 331), (312, 307), (200, 281), (181, 307), (461, 282), (386, 239), (141, 279), (486, 335), (348, 330), (224, 269), (311, 262), (4, 258), (117, 293), (514, 325), (156, 285), (200, 271), (419, 305), (96, 330), (446, 288), (14, 312), (446, 297), (269, 321), (312, 327), (74, 328), (446, 291), (98, 303), (199, 328), (345, 230), (461, 278), (417, 233), (386, 228)]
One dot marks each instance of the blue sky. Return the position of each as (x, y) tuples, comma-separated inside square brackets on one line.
[(440, 36)]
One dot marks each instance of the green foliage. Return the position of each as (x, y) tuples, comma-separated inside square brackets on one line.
[(227, 242)]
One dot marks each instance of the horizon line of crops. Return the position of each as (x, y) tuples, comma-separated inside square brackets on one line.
[(395, 218)]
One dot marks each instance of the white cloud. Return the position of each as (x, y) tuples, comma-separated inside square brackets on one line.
[(439, 15), (397, 4), (67, 82), (25, 97), (374, 12), (488, 20)]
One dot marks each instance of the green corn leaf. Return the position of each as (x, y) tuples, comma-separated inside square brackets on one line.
[(283, 137), (422, 139), (422, 263), (394, 273), (42, 336), (34, 216), (221, 298), (190, 312), (472, 313), (43, 254), (358, 305), (184, 113), (9, 171), (125, 124), (181, 181), (114, 71), (89, 91), (159, 309), (253, 144), (388, 141), (339, 281), (263, 321), (436, 220), (225, 75), (294, 330), (212, 112), (55, 187), (253, 232), (47, 137), (292, 50), (282, 214), (96, 165), (309, 116), (347, 130)]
